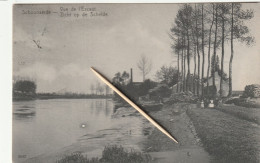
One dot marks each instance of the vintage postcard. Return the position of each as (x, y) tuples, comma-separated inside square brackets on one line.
[(192, 67)]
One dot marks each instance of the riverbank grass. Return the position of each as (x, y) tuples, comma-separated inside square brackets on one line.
[(110, 154), (224, 136)]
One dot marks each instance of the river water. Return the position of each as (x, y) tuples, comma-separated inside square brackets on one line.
[(46, 127)]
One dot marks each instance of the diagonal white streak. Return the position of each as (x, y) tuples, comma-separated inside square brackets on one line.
[(133, 105)]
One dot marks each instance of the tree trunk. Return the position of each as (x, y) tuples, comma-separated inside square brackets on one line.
[(209, 51), (232, 54), (198, 53), (182, 66), (184, 71), (195, 62), (203, 53), (223, 53), (194, 76), (143, 76), (178, 75), (188, 61), (215, 47)]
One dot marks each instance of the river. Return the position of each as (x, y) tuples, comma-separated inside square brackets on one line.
[(68, 125)]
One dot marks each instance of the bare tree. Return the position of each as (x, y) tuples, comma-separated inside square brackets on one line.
[(107, 89), (92, 89), (99, 88), (144, 65)]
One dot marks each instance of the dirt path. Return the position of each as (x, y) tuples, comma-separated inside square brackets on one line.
[(176, 121)]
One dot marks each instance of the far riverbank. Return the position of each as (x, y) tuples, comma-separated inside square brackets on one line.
[(46, 96)]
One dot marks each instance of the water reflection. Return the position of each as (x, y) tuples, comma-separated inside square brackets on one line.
[(88, 124), (106, 107), (99, 106), (27, 118), (24, 111)]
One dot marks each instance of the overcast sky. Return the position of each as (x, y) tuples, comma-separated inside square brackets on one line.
[(70, 46)]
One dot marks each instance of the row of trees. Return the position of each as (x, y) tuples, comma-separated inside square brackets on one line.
[(99, 89), (24, 86), (204, 29)]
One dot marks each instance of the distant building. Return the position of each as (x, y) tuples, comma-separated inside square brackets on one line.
[(217, 83)]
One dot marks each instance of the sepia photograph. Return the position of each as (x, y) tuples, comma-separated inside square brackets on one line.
[(136, 83)]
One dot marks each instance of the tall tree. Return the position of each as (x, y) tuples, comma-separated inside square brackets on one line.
[(215, 45), (194, 35), (182, 64), (177, 48), (209, 47), (238, 31), (232, 51), (184, 67), (178, 76), (203, 52), (188, 13), (224, 11), (194, 26), (194, 73), (145, 66), (198, 50)]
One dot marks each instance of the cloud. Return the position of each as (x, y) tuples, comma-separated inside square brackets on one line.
[(71, 77), (38, 71)]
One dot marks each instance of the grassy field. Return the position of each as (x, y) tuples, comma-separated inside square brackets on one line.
[(249, 114), (225, 137)]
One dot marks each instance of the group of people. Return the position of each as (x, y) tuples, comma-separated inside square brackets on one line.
[(210, 104)]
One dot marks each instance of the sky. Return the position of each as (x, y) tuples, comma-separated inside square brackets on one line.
[(57, 52)]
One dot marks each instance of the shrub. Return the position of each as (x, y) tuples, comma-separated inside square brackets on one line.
[(252, 91), (77, 157), (110, 154), (161, 90), (118, 154)]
